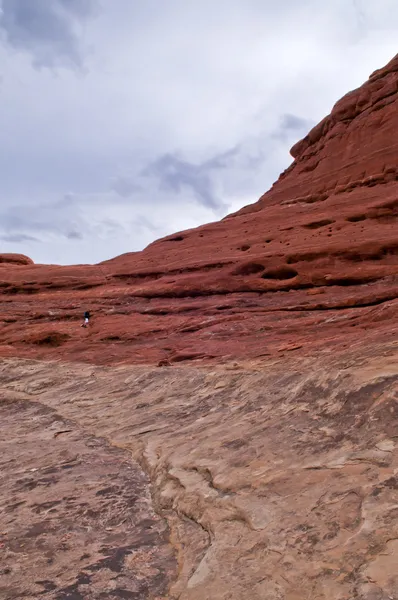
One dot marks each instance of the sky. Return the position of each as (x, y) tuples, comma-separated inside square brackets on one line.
[(123, 121)]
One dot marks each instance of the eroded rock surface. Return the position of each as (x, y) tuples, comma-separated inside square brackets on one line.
[(15, 259), (279, 481), (313, 264), (274, 459), (76, 518)]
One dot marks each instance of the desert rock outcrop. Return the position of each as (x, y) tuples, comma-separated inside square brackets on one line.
[(314, 263), (226, 427)]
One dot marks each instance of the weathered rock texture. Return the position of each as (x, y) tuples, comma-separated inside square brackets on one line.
[(313, 263), (269, 473), (279, 482), (15, 259), (76, 518)]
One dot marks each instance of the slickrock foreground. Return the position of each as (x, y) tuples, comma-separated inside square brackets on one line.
[(313, 264), (277, 481), (226, 428), (76, 520)]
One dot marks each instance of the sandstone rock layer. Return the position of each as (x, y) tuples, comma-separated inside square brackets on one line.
[(313, 264), (278, 482), (268, 473), (76, 517)]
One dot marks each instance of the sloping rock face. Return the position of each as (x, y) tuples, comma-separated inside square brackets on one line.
[(15, 259), (314, 263), (278, 482), (269, 473)]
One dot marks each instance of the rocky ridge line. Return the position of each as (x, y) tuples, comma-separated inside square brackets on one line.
[(313, 264)]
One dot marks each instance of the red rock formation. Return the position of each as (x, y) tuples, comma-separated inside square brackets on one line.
[(15, 259), (314, 263)]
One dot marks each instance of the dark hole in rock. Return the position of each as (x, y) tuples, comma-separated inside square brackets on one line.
[(177, 238), (248, 268), (350, 281), (280, 273), (54, 339), (244, 247), (356, 218)]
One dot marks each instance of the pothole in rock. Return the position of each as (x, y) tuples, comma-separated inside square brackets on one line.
[(248, 268), (280, 273)]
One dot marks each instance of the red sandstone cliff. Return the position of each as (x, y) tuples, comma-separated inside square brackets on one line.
[(313, 263), (278, 479)]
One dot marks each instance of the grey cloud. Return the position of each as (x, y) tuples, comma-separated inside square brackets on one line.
[(74, 235), (293, 122), (46, 29), (125, 186), (81, 8), (41, 219), (222, 160), (174, 174), (212, 181), (170, 173), (111, 225), (239, 169), (142, 222), (72, 219), (17, 238), (292, 127)]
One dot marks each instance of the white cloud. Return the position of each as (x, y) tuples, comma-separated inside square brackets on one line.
[(166, 89)]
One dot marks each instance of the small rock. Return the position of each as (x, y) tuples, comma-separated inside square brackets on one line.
[(386, 445)]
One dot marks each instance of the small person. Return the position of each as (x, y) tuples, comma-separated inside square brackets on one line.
[(86, 318)]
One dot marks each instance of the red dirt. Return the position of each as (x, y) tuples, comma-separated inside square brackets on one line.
[(312, 264)]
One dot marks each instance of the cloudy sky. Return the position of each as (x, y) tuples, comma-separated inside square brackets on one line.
[(125, 120)]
